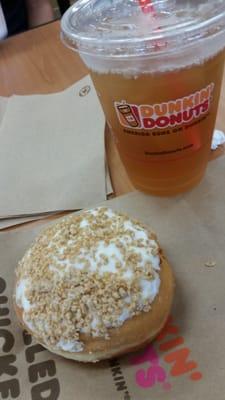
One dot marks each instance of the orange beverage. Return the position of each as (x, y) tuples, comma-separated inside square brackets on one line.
[(159, 88), (164, 139)]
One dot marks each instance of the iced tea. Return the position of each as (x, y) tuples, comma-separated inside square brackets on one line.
[(163, 122)]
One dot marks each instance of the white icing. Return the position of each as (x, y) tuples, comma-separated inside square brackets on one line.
[(150, 288), (127, 299), (138, 233), (84, 223), (72, 346), (56, 270), (21, 298), (93, 212), (28, 323), (114, 255), (69, 243), (124, 316), (128, 274), (94, 322), (147, 257), (110, 213)]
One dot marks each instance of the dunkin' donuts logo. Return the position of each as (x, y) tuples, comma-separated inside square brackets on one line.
[(169, 358), (164, 115), (160, 364)]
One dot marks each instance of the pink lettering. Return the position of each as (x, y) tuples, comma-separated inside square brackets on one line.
[(197, 110), (162, 122), (136, 112), (149, 355), (153, 375), (205, 106), (176, 119), (148, 123), (188, 115)]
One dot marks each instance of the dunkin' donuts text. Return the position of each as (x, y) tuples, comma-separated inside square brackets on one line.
[(165, 115)]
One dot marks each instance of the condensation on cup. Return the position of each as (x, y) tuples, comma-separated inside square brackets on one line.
[(158, 76)]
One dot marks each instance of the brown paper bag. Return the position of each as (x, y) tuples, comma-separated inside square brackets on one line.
[(14, 222), (187, 359), (52, 154), (6, 223)]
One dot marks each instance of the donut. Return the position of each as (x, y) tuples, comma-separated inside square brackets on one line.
[(94, 286)]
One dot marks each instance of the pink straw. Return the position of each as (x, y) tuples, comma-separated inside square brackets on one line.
[(147, 6)]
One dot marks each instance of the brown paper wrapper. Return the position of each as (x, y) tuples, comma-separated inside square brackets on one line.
[(187, 359), (52, 155)]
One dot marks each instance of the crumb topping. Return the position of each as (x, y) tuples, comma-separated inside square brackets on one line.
[(86, 274)]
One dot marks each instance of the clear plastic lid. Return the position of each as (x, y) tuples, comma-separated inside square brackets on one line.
[(121, 28)]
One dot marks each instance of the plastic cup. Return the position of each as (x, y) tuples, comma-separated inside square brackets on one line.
[(158, 77)]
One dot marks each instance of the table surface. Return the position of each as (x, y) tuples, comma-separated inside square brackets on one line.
[(37, 62)]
